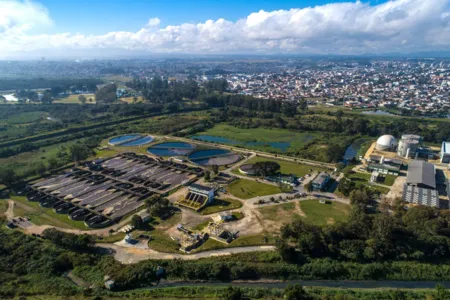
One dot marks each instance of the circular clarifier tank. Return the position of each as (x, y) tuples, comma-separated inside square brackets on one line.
[(171, 149), (209, 157), (130, 140)]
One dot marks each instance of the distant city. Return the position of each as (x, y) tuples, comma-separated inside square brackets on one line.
[(408, 86)]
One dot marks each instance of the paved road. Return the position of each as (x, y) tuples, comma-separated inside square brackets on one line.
[(131, 254), (363, 284)]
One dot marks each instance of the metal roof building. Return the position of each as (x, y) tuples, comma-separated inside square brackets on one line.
[(445, 152), (420, 196), (421, 174)]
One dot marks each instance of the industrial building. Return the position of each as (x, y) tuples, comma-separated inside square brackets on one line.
[(420, 196), (383, 165), (386, 143), (409, 145), (198, 197), (445, 153), (421, 174), (420, 186), (320, 181)]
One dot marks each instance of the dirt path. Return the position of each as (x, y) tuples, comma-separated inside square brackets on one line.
[(129, 255), (10, 211)]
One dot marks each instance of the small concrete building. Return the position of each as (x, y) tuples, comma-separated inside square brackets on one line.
[(320, 181), (202, 190), (445, 153)]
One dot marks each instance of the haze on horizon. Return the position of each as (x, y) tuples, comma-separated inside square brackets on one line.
[(31, 29)]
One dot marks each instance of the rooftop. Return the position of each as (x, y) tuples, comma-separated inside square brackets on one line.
[(445, 147), (321, 178), (420, 172), (421, 196)]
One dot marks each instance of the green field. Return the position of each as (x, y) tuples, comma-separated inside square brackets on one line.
[(321, 214), (244, 241), (73, 99), (263, 136), (274, 212), (246, 189), (44, 216), (362, 179), (286, 167), (221, 205)]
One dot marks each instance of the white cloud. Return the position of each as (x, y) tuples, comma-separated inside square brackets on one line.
[(17, 17), (353, 27), (153, 22)]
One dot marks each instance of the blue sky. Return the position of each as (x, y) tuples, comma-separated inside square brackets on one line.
[(118, 27), (101, 16)]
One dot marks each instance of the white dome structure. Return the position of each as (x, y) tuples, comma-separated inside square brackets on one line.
[(386, 143)]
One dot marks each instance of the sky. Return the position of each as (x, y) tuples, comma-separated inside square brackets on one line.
[(118, 27)]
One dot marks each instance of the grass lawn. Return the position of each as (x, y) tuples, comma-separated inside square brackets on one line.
[(73, 99), (244, 241), (263, 139), (321, 214), (389, 180), (112, 238), (3, 206), (221, 205), (44, 216), (275, 212), (162, 242), (246, 189), (286, 167)]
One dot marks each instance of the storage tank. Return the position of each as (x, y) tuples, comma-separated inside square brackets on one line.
[(386, 143), (408, 147)]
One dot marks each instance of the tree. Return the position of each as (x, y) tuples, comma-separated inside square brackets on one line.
[(39, 168), (207, 175), (232, 294), (82, 99), (137, 222), (360, 196), (8, 177), (309, 187), (215, 169), (157, 205), (295, 292), (79, 152), (135, 99), (47, 97), (107, 94), (266, 168)]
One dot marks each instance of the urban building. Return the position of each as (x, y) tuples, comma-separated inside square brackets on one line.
[(445, 153), (320, 181), (421, 174)]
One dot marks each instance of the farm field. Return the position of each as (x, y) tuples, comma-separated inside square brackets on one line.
[(273, 140), (286, 167), (73, 99), (246, 189)]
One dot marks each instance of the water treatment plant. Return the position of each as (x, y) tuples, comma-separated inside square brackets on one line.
[(171, 149), (218, 157), (130, 140)]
